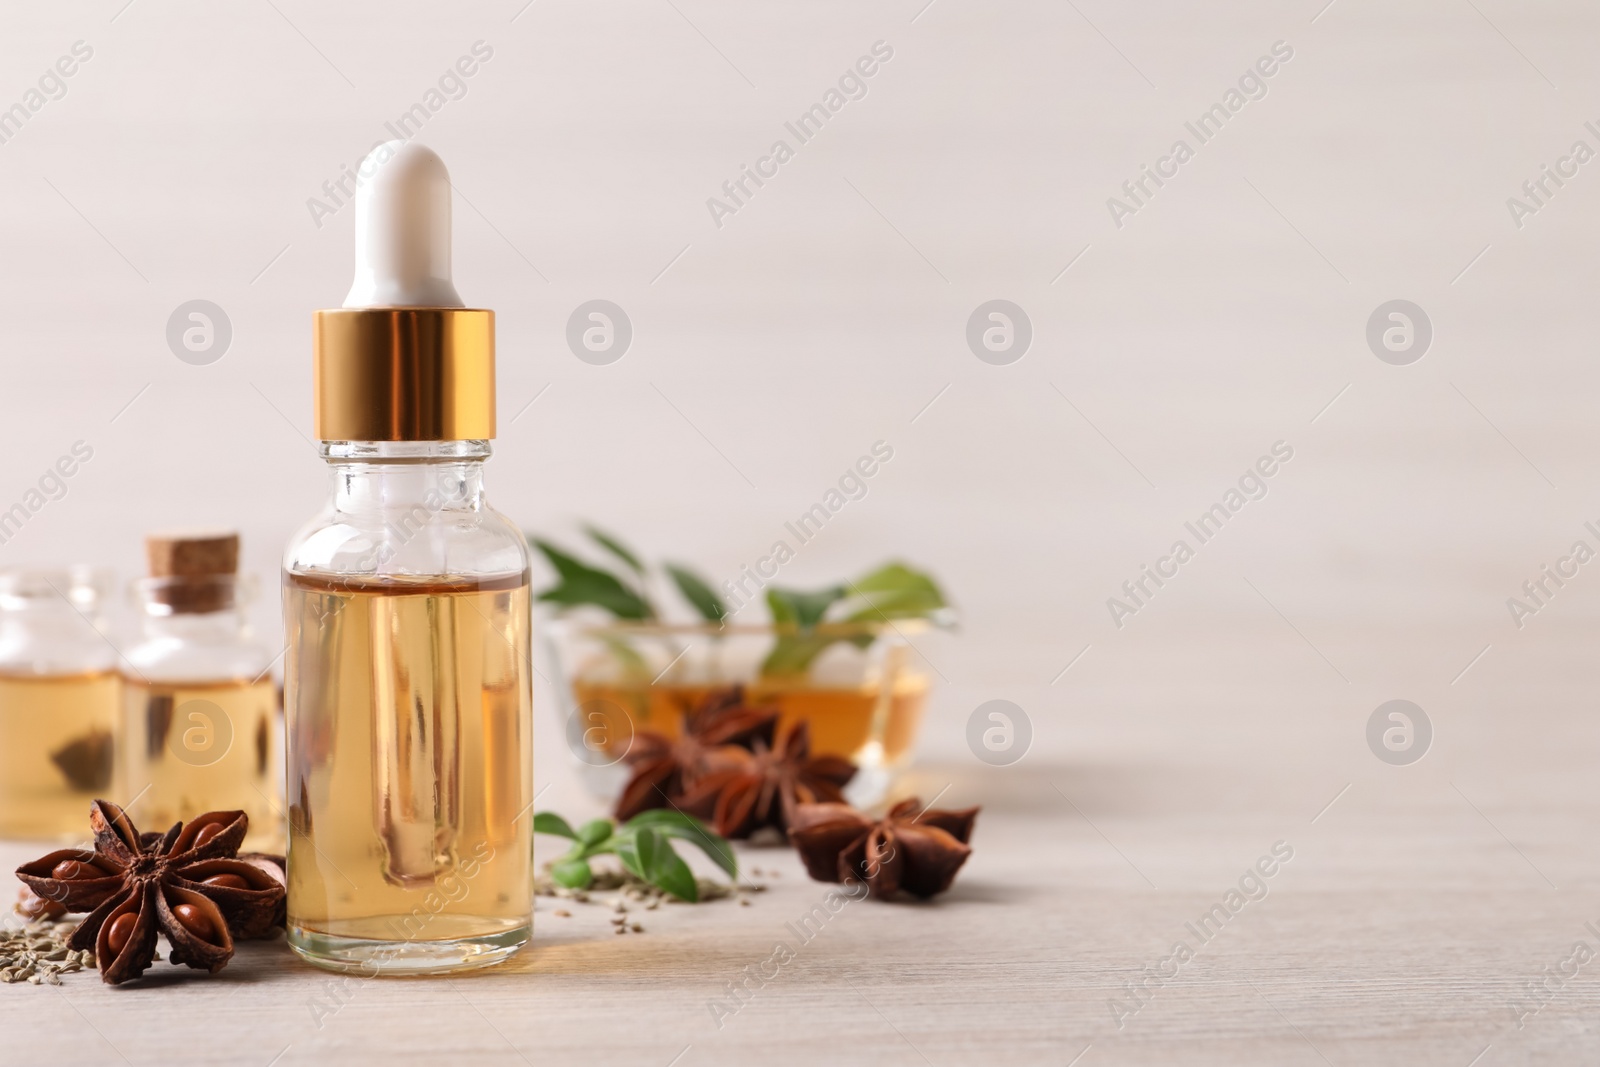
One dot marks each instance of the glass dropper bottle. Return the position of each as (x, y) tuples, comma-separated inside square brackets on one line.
[(406, 675)]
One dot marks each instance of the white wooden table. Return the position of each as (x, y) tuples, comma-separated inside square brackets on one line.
[(1419, 902)]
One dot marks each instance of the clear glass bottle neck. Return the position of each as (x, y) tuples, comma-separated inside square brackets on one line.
[(227, 625), (407, 510), (209, 609), (403, 451), (59, 622), (51, 621), (382, 475)]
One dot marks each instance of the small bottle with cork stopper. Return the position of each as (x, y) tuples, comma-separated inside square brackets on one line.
[(199, 708)]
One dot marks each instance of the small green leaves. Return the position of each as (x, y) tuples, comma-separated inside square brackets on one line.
[(582, 584), (643, 845), (648, 855), (794, 654), (697, 592), (688, 828), (572, 873), (627, 850), (548, 822), (622, 594), (665, 868), (804, 610), (892, 591), (895, 591)]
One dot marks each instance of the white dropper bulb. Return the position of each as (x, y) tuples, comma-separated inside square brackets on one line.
[(403, 230)]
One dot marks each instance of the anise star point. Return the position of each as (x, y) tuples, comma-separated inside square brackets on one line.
[(915, 849)]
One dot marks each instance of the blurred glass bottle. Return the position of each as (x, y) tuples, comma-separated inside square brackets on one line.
[(58, 701), (199, 715)]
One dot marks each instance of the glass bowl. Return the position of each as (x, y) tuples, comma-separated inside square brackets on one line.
[(860, 686)]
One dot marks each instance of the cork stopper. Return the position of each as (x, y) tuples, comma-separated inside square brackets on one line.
[(196, 568)]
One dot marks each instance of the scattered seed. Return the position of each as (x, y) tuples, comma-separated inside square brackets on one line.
[(621, 929), (636, 928), (37, 953), (563, 913)]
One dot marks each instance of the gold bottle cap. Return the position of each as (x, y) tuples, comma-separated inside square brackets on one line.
[(403, 374)]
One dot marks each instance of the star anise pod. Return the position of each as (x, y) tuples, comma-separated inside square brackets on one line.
[(665, 768), (745, 790), (913, 849), (186, 883), (276, 868)]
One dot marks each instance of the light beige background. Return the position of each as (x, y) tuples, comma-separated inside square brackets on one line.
[(830, 312)]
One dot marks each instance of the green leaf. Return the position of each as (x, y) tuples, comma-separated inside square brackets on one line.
[(674, 875), (656, 863), (594, 831), (698, 593), (895, 591), (572, 873), (794, 653), (804, 610), (625, 843), (648, 846), (616, 548), (548, 822), (688, 828), (582, 584)]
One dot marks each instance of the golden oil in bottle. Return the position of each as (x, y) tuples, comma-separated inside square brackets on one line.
[(409, 712), (56, 750), (58, 702), (193, 747)]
